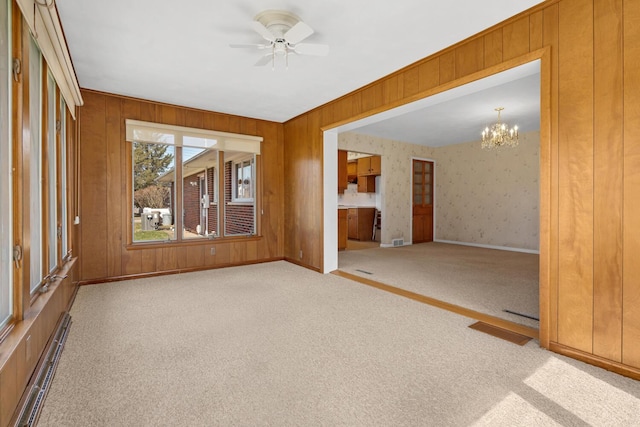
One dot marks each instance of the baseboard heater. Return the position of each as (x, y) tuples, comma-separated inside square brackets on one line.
[(31, 409)]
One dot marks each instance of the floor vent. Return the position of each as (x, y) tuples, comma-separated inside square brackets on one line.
[(397, 242), (501, 333), (31, 410)]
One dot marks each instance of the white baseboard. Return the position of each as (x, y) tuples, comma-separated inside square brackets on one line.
[(479, 245)]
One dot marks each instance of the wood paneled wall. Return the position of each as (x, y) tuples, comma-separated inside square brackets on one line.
[(590, 180), (105, 211)]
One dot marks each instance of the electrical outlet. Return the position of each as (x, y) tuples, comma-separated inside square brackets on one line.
[(300, 253), (213, 251)]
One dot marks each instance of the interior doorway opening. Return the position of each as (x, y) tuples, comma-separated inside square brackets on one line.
[(489, 80)]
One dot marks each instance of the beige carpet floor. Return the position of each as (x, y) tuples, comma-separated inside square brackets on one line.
[(485, 280), (278, 345)]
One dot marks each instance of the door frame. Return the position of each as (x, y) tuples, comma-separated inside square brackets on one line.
[(424, 159), (548, 206)]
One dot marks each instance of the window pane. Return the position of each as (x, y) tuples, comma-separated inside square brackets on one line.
[(239, 209), (200, 212), (52, 217), (63, 185), (6, 240), (153, 192), (35, 173)]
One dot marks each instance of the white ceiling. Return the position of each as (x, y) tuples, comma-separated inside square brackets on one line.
[(178, 52)]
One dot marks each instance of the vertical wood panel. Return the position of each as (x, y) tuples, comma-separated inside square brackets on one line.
[(115, 187), (223, 254), (313, 242), (429, 73), (575, 296), (470, 57), (372, 97), (411, 81), (608, 159), (535, 30), (148, 260), (447, 67), (550, 38), (493, 48), (195, 256), (131, 262), (391, 90), (167, 259), (9, 391), (93, 187), (195, 119), (515, 38), (631, 282)]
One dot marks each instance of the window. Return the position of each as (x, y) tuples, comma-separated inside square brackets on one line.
[(243, 177), (52, 176), (35, 174), (6, 221), (177, 177), (64, 213)]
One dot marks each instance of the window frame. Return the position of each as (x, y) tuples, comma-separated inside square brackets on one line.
[(137, 131), (241, 163), (7, 310)]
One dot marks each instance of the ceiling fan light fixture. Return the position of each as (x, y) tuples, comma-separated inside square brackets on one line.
[(283, 31)]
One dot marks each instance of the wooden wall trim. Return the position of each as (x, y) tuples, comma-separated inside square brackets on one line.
[(592, 359), (156, 104), (175, 271), (478, 75)]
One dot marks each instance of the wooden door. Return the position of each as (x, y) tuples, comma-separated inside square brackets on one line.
[(422, 201)]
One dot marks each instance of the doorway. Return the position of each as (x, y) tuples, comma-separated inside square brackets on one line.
[(467, 86)]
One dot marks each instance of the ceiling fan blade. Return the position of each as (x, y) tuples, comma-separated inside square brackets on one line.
[(264, 60), (298, 32), (247, 45), (262, 30), (312, 49)]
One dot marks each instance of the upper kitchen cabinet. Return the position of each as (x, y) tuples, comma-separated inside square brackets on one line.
[(342, 171), (369, 166), (352, 171)]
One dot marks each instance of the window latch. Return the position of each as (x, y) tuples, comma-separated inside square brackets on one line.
[(17, 255), (17, 68)]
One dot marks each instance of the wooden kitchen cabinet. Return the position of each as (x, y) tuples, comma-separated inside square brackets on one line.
[(342, 228), (367, 184), (352, 171), (342, 171), (360, 223), (369, 165)]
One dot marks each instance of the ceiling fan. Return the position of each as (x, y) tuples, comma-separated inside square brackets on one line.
[(283, 31)]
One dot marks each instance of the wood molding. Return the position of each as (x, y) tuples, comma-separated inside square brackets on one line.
[(174, 271), (301, 264), (478, 75), (601, 362), (491, 320)]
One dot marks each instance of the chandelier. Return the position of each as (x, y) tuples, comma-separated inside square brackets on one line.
[(499, 134)]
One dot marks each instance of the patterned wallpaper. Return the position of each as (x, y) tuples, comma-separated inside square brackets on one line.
[(483, 197), (489, 197), (395, 188)]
